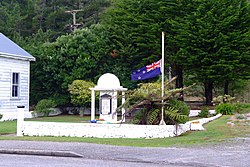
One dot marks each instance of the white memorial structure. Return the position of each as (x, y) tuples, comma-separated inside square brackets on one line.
[(109, 86)]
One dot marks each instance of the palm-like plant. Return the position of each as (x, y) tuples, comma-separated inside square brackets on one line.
[(147, 100)]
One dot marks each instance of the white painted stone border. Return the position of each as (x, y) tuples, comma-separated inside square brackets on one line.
[(33, 128), (194, 113)]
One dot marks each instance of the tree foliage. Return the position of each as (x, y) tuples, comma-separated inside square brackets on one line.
[(80, 93), (138, 24), (208, 40), (214, 42), (45, 106), (27, 17), (75, 56)]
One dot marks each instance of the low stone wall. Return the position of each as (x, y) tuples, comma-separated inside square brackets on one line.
[(9, 116), (32, 128)]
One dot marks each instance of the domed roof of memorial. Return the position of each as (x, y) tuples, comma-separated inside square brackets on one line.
[(108, 80)]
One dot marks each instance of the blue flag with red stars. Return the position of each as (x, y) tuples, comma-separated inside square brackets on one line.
[(147, 72)]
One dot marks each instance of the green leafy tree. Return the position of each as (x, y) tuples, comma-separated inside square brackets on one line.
[(70, 57), (41, 82), (80, 93)]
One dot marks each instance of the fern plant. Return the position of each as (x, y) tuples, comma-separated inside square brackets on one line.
[(153, 117), (147, 100), (173, 116)]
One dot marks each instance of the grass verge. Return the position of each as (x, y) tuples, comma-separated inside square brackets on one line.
[(216, 131), (7, 127), (61, 118)]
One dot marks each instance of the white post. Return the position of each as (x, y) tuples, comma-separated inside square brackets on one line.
[(123, 110), (20, 120), (162, 82), (92, 104)]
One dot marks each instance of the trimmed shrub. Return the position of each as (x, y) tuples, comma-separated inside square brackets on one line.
[(225, 109), (45, 106)]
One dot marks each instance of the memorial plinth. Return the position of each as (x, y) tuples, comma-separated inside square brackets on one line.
[(109, 87)]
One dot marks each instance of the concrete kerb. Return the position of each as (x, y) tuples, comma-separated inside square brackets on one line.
[(40, 152)]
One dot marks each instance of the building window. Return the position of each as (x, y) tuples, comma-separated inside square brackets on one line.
[(15, 85)]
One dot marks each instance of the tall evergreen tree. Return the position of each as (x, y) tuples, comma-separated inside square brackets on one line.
[(215, 42), (138, 24), (27, 17)]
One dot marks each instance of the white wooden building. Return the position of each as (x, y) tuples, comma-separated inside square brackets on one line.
[(14, 78)]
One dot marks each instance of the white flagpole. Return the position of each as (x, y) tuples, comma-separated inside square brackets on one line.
[(162, 82)]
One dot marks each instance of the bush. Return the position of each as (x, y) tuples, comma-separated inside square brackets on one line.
[(80, 93), (1, 116), (242, 108), (225, 109), (45, 106), (223, 99), (181, 106), (204, 112)]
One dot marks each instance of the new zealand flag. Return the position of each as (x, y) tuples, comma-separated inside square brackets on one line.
[(150, 71)]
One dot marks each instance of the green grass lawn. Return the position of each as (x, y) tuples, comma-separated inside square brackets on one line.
[(7, 127), (61, 118), (216, 131)]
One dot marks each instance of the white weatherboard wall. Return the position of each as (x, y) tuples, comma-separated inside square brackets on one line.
[(8, 105), (30, 128)]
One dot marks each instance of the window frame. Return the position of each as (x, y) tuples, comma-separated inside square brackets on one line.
[(15, 85)]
